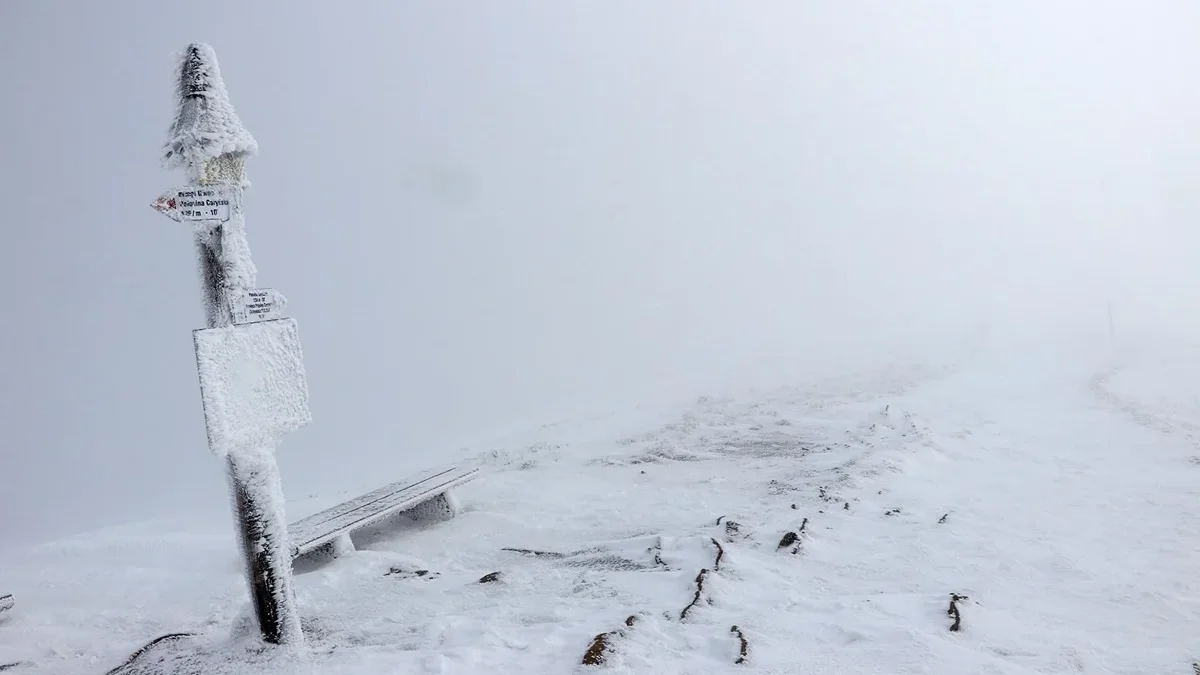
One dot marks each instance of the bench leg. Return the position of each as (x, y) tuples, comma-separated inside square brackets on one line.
[(336, 548), (341, 546), (441, 508), (451, 504)]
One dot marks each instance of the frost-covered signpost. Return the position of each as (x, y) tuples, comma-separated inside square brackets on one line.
[(252, 377)]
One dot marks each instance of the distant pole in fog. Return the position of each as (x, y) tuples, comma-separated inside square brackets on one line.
[(1112, 326)]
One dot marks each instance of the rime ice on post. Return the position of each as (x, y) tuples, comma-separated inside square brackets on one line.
[(206, 126), (208, 141), (249, 360)]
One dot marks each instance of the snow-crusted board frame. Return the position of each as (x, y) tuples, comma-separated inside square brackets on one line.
[(252, 384)]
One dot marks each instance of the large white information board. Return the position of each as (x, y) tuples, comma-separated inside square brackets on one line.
[(252, 384)]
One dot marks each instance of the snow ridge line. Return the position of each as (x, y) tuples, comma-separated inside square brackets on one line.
[(776, 462), (136, 656), (720, 554), (1141, 414), (699, 592), (719, 433), (603, 644)]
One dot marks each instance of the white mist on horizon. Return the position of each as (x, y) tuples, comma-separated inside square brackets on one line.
[(513, 213)]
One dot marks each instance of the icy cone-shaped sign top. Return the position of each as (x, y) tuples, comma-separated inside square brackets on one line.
[(206, 125)]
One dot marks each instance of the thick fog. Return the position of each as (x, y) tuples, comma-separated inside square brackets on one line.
[(490, 215)]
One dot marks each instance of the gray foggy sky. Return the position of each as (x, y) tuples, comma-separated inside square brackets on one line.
[(485, 213)]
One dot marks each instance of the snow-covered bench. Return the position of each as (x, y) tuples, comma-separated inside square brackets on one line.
[(427, 495)]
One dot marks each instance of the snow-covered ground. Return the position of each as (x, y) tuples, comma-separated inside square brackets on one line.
[(1061, 501)]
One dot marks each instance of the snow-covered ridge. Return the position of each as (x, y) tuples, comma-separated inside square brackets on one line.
[(792, 532)]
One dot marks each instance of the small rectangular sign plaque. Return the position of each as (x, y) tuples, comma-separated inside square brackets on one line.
[(193, 203), (259, 304)]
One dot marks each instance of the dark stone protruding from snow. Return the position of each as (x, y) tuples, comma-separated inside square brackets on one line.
[(954, 612), (743, 645)]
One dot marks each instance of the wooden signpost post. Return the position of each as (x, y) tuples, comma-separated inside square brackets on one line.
[(248, 357)]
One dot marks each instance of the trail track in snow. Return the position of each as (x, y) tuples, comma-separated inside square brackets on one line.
[(1070, 531), (1175, 418), (605, 486)]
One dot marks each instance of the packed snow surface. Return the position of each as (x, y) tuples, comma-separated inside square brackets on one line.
[(1060, 501)]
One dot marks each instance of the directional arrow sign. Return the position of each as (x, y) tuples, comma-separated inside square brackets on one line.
[(193, 203), (259, 304)]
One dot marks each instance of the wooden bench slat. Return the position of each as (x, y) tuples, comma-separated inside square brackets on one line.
[(317, 519), (321, 528)]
